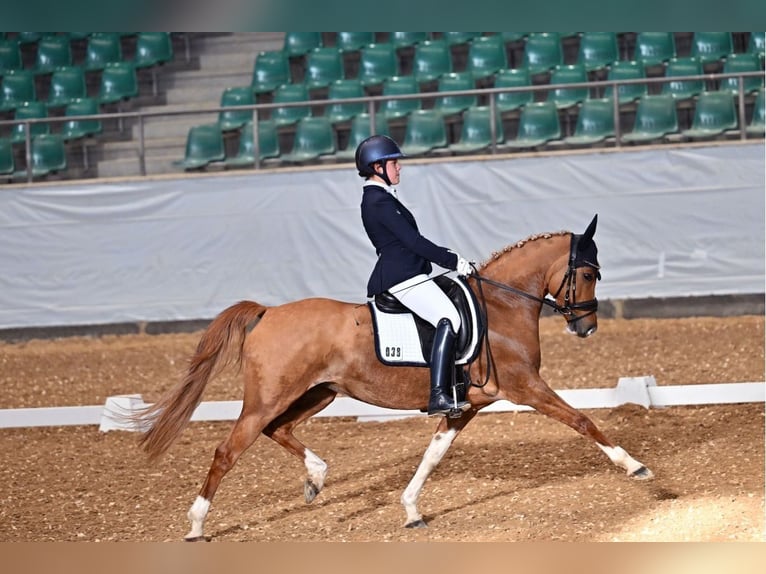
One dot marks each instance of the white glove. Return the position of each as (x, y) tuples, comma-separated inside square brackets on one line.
[(463, 267)]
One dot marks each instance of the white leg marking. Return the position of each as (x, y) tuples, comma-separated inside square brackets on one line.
[(621, 458), (439, 445), (197, 514), (316, 469)]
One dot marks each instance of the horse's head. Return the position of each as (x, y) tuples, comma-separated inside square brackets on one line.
[(576, 278)]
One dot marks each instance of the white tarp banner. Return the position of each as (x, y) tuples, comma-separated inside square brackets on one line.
[(672, 222)]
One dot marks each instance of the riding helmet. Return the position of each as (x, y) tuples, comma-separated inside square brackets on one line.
[(374, 149)]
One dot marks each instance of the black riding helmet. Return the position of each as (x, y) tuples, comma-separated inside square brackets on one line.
[(375, 149)]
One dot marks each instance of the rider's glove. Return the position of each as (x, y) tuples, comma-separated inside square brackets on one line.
[(463, 267)]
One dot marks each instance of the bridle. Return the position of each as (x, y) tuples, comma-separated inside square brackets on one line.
[(568, 285), (567, 310)]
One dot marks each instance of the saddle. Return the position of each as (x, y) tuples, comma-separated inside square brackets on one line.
[(404, 339)]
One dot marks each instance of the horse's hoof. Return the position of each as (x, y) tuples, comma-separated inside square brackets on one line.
[(642, 473), (310, 491), (197, 539), (420, 523)]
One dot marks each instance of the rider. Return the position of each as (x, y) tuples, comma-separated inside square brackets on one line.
[(404, 262)]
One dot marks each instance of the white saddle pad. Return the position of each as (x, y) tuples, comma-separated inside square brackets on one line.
[(397, 341)]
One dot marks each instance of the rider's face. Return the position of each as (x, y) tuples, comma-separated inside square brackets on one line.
[(393, 169)]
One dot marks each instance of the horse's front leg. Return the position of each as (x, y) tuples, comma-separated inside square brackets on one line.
[(543, 399), (442, 439)]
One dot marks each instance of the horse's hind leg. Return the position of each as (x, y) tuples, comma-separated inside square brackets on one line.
[(242, 436), (547, 402), (280, 430)]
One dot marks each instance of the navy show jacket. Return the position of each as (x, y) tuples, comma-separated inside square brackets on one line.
[(402, 251)]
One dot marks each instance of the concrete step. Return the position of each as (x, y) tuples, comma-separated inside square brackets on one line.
[(176, 124), (203, 86)]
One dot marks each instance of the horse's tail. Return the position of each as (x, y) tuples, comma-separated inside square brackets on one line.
[(168, 417)]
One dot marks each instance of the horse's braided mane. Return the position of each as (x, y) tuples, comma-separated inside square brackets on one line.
[(496, 254)]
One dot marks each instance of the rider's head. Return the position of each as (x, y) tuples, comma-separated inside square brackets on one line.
[(372, 155)]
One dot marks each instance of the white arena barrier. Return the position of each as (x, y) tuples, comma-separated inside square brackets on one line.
[(643, 391)]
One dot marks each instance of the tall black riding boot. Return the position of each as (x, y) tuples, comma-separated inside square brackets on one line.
[(442, 372)]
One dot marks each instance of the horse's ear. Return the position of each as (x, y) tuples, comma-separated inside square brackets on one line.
[(591, 230)]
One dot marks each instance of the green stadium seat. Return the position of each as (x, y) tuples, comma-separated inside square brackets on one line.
[(476, 131), (102, 48), (361, 130), (709, 47), (18, 87), (656, 117), (235, 119), (314, 137), (595, 123), (757, 43), (77, 129), (268, 144), (568, 74), (271, 70), (756, 125), (48, 155), (290, 93), (52, 52), (29, 111), (407, 39), (7, 162), (424, 133), (153, 49), (376, 63), (714, 113), (10, 56), (538, 125), (513, 78), (204, 145), (66, 85), (597, 50), (746, 62), (431, 59), (353, 41), (399, 86), (486, 56), (29, 37), (454, 82), (323, 65), (655, 48), (683, 89), (627, 70), (344, 89), (457, 38), (118, 82), (509, 37), (300, 43), (542, 52)]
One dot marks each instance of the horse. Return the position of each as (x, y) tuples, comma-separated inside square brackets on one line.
[(296, 357)]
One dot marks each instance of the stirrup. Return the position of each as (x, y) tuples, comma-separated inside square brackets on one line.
[(453, 411)]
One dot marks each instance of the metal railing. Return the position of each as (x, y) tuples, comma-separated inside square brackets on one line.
[(141, 116)]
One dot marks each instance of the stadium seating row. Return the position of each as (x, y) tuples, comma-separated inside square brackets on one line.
[(118, 81), (426, 131), (486, 55), (54, 66), (53, 51), (630, 72)]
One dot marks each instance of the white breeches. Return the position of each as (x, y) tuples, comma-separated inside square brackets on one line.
[(424, 298)]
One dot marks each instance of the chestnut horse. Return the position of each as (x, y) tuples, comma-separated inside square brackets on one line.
[(297, 357)]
